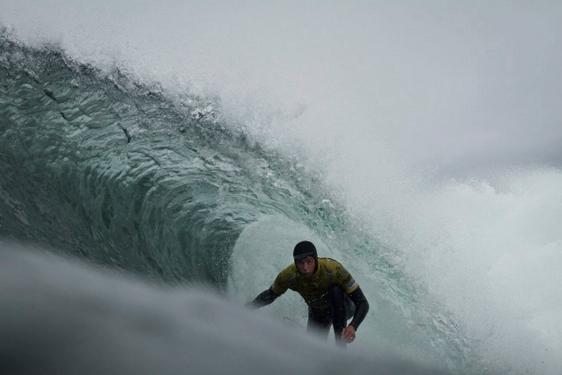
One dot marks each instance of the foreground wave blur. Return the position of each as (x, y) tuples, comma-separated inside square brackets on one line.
[(60, 316)]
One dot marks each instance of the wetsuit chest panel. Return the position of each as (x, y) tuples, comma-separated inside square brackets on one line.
[(314, 289)]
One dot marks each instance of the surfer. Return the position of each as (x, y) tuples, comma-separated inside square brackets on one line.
[(329, 290)]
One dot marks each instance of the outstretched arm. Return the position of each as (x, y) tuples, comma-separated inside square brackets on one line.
[(267, 296), (263, 299)]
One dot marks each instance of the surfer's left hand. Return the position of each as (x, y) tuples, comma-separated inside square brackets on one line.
[(348, 334)]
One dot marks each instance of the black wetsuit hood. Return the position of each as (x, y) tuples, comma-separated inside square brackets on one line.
[(305, 249)]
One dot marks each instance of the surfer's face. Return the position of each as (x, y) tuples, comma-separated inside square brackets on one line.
[(306, 266)]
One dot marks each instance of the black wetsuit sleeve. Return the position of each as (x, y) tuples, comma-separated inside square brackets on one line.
[(263, 299), (361, 307)]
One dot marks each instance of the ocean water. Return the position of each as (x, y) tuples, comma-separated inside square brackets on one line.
[(190, 145)]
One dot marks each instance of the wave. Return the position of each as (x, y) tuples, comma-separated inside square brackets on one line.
[(105, 166), (111, 169)]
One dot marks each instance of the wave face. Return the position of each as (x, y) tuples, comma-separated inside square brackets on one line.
[(103, 166), (113, 171)]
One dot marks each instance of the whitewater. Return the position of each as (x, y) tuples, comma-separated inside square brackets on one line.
[(159, 162)]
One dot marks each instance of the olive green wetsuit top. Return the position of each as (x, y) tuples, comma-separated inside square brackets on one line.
[(314, 289)]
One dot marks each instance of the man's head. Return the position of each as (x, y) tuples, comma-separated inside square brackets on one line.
[(306, 258)]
